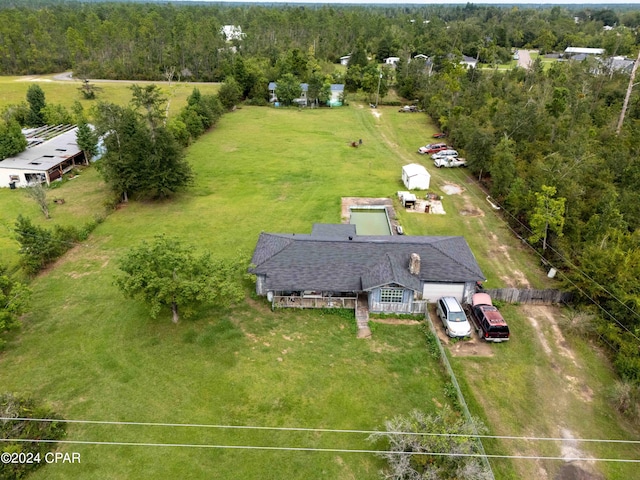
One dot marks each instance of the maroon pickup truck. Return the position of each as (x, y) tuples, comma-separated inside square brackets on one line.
[(489, 321)]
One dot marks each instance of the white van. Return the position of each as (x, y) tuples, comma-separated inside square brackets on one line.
[(453, 317)]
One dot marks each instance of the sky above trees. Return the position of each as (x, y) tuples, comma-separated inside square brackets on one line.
[(435, 2)]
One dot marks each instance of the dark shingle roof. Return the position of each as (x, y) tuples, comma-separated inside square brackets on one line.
[(319, 261)]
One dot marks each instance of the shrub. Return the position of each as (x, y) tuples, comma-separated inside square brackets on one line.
[(12, 406)]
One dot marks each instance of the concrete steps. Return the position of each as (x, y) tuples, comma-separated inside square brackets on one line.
[(362, 317)]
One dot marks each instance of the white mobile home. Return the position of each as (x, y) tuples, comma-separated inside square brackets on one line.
[(415, 177), (44, 160)]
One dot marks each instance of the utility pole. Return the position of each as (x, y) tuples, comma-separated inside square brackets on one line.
[(626, 98), (378, 93)]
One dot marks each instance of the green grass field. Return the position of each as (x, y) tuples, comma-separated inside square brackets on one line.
[(95, 355), (13, 90), (92, 354)]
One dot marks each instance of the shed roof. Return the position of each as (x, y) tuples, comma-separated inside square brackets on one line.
[(46, 155), (414, 169), (319, 261)]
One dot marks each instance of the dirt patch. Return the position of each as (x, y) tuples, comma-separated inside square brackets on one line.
[(538, 314), (471, 212), (376, 113), (435, 206), (395, 321), (469, 209), (452, 189), (575, 469), (473, 346)]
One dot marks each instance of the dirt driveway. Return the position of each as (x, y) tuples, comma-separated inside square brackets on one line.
[(524, 59)]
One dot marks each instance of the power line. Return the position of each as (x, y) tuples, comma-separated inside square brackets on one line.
[(321, 450), (313, 430), (568, 262)]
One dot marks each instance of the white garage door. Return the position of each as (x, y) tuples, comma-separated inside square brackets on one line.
[(433, 291)]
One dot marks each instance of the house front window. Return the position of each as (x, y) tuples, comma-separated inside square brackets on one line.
[(391, 295)]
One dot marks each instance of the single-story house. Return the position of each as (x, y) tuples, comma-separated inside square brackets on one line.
[(333, 267), (428, 62), (618, 64), (51, 152), (570, 51), (415, 177), (392, 60), (335, 100), (469, 62), (345, 60)]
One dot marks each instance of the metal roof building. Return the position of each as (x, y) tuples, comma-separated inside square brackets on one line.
[(51, 152)]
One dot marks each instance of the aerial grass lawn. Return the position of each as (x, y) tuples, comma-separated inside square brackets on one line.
[(13, 90), (546, 388), (93, 354)]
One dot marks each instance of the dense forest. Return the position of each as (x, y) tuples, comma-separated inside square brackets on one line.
[(542, 141)]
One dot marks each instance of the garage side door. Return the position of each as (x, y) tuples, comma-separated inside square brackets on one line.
[(433, 291)]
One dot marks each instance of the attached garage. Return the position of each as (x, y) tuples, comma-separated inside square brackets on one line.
[(433, 291)]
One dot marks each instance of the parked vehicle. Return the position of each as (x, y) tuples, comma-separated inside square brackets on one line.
[(445, 153), (453, 317), (450, 162), (433, 148), (439, 135), (489, 322), (409, 109)]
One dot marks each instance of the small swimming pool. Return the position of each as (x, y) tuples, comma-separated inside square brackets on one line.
[(370, 221)]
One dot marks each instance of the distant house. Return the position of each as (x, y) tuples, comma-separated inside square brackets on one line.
[(51, 152), (392, 61), (469, 62), (618, 64), (570, 52), (345, 60), (415, 177), (232, 32), (428, 63), (335, 100), (335, 267)]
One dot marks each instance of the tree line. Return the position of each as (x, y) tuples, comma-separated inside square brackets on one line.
[(137, 41), (543, 142)]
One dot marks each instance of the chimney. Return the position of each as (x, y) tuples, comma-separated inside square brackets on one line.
[(414, 264)]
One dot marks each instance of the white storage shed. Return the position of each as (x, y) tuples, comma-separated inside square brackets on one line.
[(415, 177)]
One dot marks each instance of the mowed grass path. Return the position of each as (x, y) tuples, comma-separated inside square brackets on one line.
[(95, 355)]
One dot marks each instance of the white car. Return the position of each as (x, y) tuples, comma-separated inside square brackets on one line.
[(450, 162), (445, 153), (453, 317)]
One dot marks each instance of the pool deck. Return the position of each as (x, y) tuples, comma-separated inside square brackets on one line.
[(359, 202)]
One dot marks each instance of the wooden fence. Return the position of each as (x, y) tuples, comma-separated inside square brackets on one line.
[(540, 297)]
